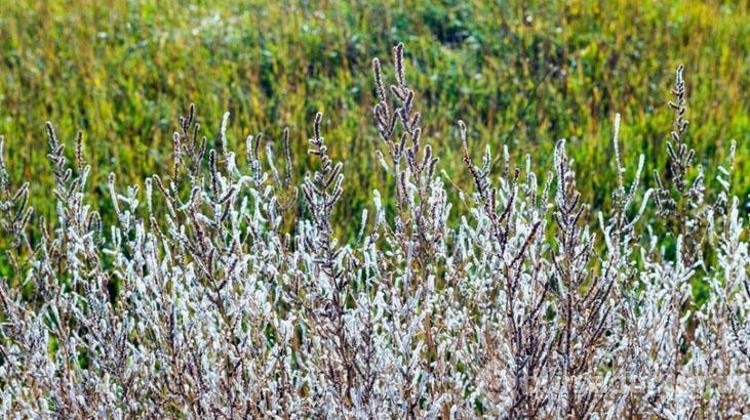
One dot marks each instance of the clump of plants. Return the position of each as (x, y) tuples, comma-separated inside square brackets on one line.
[(211, 295)]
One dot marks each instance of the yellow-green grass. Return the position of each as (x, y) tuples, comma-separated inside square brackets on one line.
[(122, 71)]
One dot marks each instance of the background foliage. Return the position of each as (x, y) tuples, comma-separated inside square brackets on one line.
[(524, 75)]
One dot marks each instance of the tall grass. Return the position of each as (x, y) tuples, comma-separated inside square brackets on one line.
[(525, 74)]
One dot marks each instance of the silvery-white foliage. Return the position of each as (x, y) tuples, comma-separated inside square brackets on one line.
[(224, 290)]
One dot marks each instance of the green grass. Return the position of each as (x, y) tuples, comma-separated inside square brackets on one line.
[(122, 71)]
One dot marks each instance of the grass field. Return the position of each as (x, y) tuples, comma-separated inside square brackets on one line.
[(580, 250), (525, 76)]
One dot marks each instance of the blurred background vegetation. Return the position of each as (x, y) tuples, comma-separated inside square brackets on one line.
[(519, 73)]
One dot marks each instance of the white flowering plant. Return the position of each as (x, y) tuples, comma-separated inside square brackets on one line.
[(210, 295)]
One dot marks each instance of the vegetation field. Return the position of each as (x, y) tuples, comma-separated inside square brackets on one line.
[(524, 74), (374, 210)]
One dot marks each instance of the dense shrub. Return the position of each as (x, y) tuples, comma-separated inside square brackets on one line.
[(211, 295)]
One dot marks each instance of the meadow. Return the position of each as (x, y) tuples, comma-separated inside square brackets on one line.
[(522, 75), (357, 210)]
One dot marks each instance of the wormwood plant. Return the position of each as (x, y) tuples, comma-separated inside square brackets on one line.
[(209, 296)]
